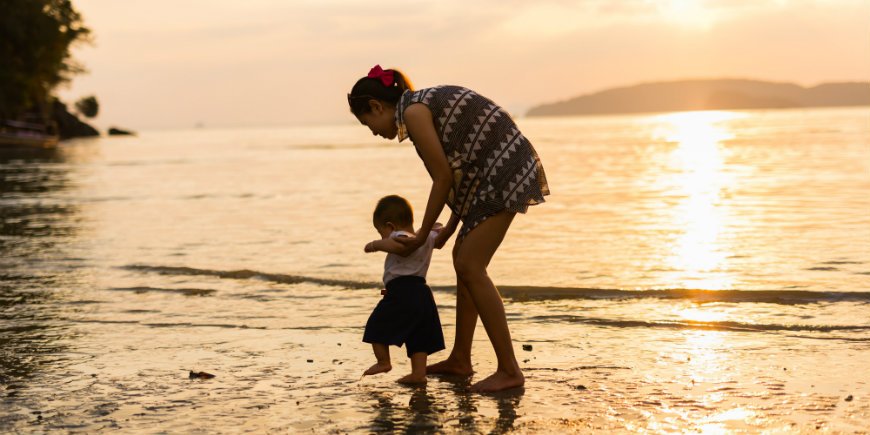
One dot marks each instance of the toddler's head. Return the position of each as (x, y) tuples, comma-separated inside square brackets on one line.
[(393, 213)]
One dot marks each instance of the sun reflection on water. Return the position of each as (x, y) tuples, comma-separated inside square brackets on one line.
[(701, 314), (696, 178)]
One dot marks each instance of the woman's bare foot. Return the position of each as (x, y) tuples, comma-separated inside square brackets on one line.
[(498, 381), (412, 379), (378, 368), (450, 366)]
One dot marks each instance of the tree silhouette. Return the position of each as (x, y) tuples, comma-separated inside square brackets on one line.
[(35, 38), (88, 106)]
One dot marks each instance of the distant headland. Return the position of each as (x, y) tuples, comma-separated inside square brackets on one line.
[(712, 94)]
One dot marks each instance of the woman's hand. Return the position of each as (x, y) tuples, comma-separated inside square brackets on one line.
[(410, 243)]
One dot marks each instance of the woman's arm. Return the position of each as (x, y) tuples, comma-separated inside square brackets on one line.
[(418, 120)]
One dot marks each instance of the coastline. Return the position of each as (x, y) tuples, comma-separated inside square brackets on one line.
[(298, 371)]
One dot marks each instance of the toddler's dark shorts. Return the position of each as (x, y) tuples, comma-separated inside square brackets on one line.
[(406, 315)]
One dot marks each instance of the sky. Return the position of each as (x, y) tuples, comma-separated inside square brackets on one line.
[(258, 63)]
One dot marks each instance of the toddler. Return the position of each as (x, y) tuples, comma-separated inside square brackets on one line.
[(407, 314)]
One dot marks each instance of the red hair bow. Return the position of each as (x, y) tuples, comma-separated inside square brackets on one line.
[(386, 77)]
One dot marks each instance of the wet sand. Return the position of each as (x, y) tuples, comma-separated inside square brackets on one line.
[(295, 366)]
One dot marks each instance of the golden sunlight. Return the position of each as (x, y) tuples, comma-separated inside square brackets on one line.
[(688, 13), (701, 314), (697, 179), (705, 359)]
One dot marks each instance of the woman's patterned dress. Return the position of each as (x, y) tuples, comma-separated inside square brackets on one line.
[(494, 166)]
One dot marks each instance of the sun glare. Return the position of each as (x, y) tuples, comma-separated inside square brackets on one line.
[(687, 13), (696, 179), (701, 314)]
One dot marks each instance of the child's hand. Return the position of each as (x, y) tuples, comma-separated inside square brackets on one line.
[(369, 247), (437, 227)]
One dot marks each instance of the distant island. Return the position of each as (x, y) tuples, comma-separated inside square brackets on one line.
[(713, 94)]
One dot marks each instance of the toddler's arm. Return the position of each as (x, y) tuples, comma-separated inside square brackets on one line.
[(384, 245), (445, 233)]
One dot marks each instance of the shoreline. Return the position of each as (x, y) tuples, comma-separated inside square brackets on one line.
[(300, 375)]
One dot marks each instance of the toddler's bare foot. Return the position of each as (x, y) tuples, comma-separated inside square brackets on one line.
[(450, 366), (378, 368), (498, 381), (412, 379)]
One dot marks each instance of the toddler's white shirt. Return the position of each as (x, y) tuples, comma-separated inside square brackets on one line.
[(416, 264)]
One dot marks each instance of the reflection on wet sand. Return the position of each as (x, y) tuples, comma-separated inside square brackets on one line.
[(426, 411), (34, 227)]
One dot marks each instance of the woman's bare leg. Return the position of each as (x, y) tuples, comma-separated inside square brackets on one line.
[(471, 260)]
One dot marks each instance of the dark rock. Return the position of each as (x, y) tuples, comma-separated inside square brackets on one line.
[(527, 347), (69, 125), (115, 131), (581, 387), (849, 398), (311, 360)]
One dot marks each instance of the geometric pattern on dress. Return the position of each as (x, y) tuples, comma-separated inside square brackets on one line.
[(495, 167), (481, 127), (453, 111), (520, 183)]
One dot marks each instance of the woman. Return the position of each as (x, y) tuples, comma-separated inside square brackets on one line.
[(485, 171)]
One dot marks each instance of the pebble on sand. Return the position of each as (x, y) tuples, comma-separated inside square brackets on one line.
[(200, 375), (527, 347), (849, 398)]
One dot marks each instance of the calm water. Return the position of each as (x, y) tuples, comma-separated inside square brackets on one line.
[(699, 271)]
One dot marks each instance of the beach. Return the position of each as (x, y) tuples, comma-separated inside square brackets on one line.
[(301, 373), (701, 272)]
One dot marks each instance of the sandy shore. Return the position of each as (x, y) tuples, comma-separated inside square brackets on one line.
[(289, 367)]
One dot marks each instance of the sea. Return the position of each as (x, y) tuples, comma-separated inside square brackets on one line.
[(692, 272)]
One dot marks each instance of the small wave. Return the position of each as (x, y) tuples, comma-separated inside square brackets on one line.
[(784, 297), (183, 291), (252, 274), (192, 325), (691, 324), (536, 293), (355, 146)]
